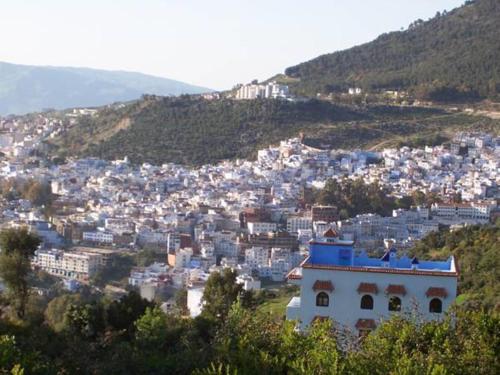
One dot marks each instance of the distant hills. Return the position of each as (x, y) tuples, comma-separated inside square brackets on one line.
[(451, 57), (26, 88)]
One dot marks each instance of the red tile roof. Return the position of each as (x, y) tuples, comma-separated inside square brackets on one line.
[(368, 288), (436, 292), (396, 289), (323, 285), (366, 324)]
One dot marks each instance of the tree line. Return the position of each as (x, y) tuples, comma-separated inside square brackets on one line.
[(91, 334)]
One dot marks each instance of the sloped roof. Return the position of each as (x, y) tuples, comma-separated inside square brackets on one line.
[(368, 288), (436, 292), (323, 285), (396, 289)]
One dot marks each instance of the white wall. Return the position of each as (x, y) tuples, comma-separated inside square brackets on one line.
[(345, 300)]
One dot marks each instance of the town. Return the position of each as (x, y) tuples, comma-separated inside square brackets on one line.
[(256, 217)]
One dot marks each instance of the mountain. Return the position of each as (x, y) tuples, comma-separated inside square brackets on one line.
[(26, 88), (453, 56)]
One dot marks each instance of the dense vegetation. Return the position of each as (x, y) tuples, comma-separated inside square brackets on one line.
[(477, 251), (85, 334), (38, 193), (195, 131), (451, 57), (354, 197)]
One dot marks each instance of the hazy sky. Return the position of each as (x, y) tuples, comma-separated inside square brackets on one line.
[(213, 43)]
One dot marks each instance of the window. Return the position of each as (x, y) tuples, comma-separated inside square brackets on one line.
[(367, 302), (322, 299), (435, 306), (395, 304)]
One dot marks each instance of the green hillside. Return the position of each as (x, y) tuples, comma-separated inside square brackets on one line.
[(476, 249), (451, 57), (195, 131)]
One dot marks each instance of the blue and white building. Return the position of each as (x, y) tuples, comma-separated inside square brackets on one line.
[(357, 292)]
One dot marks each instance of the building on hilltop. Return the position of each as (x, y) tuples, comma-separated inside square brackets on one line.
[(271, 90), (357, 291)]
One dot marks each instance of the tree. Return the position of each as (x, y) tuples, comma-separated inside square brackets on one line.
[(122, 314), (86, 321), (38, 193), (221, 291), (56, 313), (151, 328), (181, 301), (17, 246)]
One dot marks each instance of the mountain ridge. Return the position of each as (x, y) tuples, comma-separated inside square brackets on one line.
[(31, 88), (453, 56)]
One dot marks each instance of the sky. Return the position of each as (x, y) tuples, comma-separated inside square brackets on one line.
[(212, 43)]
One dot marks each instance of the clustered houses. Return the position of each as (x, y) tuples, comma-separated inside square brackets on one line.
[(356, 291), (252, 216)]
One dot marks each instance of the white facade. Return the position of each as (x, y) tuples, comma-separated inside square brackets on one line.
[(345, 300), (479, 211), (356, 291), (261, 227), (183, 258), (194, 301), (270, 90), (256, 257), (76, 265), (98, 237), (294, 224)]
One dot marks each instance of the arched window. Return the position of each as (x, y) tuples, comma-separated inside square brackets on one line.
[(322, 299), (395, 304), (367, 302), (436, 306)]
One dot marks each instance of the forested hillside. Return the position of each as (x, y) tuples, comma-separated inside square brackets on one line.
[(451, 57), (195, 131), (477, 251)]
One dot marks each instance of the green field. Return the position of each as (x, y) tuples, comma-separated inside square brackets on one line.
[(275, 300)]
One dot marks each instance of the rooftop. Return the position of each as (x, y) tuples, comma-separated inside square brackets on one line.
[(341, 255)]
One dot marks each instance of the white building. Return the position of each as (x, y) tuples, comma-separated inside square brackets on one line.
[(473, 210), (261, 227), (271, 90), (248, 282), (181, 258), (356, 291), (75, 265), (194, 301), (98, 237), (294, 224), (256, 257)]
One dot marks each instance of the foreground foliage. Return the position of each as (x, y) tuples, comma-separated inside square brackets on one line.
[(82, 334), (477, 251)]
